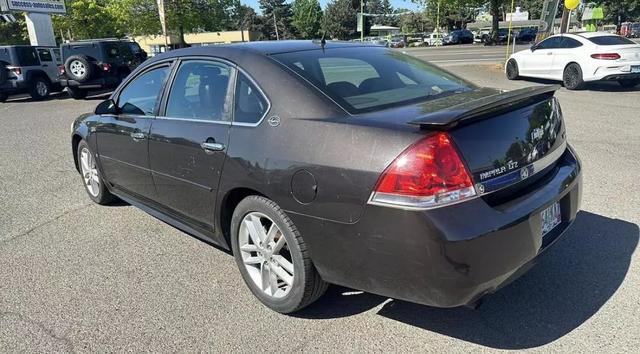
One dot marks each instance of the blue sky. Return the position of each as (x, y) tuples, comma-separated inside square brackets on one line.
[(395, 3)]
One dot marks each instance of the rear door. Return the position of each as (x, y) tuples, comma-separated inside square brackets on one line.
[(48, 63), (122, 139), (188, 142)]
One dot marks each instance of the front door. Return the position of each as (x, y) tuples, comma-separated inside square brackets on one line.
[(123, 146), (188, 143), (539, 62)]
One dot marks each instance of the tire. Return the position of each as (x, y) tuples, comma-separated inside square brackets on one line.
[(572, 77), (40, 88), (76, 93), (306, 284), (513, 72), (93, 183), (78, 68), (629, 83)]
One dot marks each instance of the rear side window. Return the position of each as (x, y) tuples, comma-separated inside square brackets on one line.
[(141, 95), (250, 105), (199, 91), (112, 50), (45, 55), (550, 43), (370, 79), (610, 40)]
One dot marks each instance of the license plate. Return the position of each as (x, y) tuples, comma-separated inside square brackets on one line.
[(635, 68), (551, 217)]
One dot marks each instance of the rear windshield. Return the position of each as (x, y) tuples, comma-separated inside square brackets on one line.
[(610, 40), (370, 79)]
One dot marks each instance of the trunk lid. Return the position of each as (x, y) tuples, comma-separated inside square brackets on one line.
[(503, 137), (626, 52)]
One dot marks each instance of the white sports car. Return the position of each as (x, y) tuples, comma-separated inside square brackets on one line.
[(578, 58)]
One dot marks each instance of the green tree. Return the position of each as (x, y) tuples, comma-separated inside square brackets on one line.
[(340, 20), (278, 14), (135, 17), (619, 11), (307, 18), (415, 22), (14, 32), (86, 19)]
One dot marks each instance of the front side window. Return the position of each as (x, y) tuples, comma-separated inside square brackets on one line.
[(200, 91), (141, 95), (250, 105), (550, 43), (27, 56), (569, 43), (372, 79)]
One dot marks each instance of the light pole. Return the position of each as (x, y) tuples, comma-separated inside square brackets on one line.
[(362, 20)]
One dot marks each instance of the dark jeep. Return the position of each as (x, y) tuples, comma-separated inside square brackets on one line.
[(97, 64)]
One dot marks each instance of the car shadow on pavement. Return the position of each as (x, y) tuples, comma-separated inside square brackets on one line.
[(572, 281), (600, 86)]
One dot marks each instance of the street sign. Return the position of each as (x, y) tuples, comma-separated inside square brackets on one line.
[(41, 6)]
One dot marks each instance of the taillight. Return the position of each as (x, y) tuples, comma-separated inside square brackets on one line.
[(106, 66), (606, 56), (61, 69), (17, 71), (428, 174)]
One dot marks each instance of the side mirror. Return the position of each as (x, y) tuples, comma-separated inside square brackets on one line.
[(107, 107), (534, 47)]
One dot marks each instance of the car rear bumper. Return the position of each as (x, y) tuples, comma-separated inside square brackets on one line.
[(99, 83), (445, 257), (614, 72)]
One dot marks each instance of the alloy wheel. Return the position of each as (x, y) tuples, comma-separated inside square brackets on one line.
[(42, 89), (77, 68), (265, 254), (89, 172)]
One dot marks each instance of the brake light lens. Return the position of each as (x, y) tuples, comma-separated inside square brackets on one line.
[(106, 66), (17, 71), (428, 174), (61, 69), (606, 56)]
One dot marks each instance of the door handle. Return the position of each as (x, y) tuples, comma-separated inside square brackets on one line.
[(137, 136), (550, 53), (212, 147)]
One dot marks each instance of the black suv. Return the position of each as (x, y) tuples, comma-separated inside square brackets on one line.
[(458, 37), (28, 69), (97, 64)]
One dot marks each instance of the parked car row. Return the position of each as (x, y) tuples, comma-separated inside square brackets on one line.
[(77, 66)]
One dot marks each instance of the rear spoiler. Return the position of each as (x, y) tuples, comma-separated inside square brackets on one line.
[(485, 107)]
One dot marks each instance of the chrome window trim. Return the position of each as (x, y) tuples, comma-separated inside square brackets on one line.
[(166, 95), (255, 84), (223, 122)]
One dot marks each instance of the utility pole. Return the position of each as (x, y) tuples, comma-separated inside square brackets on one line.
[(362, 20), (275, 24), (163, 23)]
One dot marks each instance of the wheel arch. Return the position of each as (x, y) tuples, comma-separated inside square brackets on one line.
[(228, 205), (32, 74), (569, 63), (75, 141)]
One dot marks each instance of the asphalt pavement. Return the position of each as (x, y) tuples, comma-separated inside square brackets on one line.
[(75, 276)]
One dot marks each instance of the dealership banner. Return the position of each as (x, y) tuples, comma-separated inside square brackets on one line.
[(44, 6)]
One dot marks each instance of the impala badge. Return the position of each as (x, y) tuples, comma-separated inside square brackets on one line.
[(274, 121)]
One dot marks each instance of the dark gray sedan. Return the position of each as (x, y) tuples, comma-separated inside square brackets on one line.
[(337, 163)]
